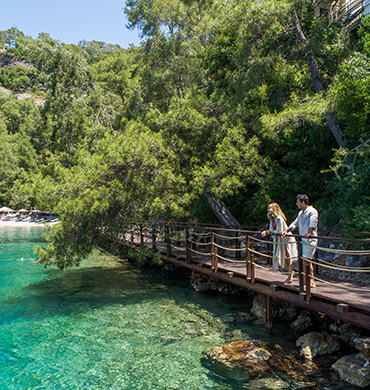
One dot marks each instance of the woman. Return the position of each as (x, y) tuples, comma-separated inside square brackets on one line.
[(284, 248)]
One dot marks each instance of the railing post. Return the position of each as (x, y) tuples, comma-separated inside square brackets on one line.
[(177, 235), (300, 265), (237, 246), (216, 260), (269, 250), (193, 244), (268, 317), (308, 281), (187, 250), (212, 249), (248, 257), (141, 235), (168, 241), (316, 266), (252, 270), (154, 239)]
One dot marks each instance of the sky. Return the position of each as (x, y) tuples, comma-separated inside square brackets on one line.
[(70, 21)]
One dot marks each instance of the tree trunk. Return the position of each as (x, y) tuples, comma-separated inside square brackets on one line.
[(317, 82), (220, 210)]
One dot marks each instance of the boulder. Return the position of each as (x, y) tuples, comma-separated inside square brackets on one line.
[(348, 332), (354, 369), (302, 322), (363, 346), (314, 343), (258, 360)]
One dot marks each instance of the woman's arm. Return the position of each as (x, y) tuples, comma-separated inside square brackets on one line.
[(280, 225)]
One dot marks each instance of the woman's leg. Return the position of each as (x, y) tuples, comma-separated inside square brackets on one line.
[(289, 279)]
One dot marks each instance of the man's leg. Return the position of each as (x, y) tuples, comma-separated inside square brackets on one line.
[(307, 262)]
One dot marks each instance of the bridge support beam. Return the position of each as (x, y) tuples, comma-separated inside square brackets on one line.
[(268, 318)]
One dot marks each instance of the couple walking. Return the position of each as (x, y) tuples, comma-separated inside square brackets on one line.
[(285, 246)]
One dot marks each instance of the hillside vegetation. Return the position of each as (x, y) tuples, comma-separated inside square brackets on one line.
[(237, 103)]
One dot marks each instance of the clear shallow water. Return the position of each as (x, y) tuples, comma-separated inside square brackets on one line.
[(108, 325)]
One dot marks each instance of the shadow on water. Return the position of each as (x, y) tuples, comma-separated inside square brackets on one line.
[(73, 290)]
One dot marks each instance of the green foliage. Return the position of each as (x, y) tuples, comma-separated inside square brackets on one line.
[(18, 78), (350, 95), (141, 255), (219, 98), (129, 177), (351, 187), (17, 161), (115, 74)]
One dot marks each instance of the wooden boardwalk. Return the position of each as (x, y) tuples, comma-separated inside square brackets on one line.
[(349, 302)]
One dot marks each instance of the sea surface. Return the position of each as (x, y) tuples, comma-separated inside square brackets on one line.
[(109, 325)]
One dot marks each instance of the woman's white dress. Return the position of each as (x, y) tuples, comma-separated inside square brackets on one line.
[(281, 244)]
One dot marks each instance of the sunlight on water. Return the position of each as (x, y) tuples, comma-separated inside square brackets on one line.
[(107, 325)]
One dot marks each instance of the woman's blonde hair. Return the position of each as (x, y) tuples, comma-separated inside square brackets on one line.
[(275, 212)]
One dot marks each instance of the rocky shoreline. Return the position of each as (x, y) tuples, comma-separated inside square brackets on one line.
[(324, 346)]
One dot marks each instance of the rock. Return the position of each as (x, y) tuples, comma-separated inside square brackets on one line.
[(314, 343), (362, 345), (202, 282), (169, 267), (354, 369), (347, 332), (201, 287), (244, 317), (280, 310), (357, 261), (306, 352), (223, 290), (256, 360), (238, 317), (259, 308), (302, 323), (4, 90), (268, 383)]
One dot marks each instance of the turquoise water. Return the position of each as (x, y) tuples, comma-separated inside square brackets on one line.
[(108, 325)]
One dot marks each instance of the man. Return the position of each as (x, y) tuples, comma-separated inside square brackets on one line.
[(306, 221)]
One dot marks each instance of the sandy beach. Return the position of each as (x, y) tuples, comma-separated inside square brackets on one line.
[(25, 224)]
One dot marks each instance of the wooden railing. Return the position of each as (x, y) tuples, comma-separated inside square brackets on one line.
[(248, 248), (241, 256)]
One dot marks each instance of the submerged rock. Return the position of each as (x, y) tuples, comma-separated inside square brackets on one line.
[(268, 383), (259, 361), (354, 369), (238, 317), (314, 343)]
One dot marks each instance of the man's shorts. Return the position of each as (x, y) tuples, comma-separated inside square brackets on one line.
[(308, 247)]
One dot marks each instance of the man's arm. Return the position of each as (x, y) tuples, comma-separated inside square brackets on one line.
[(291, 227), (308, 234)]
